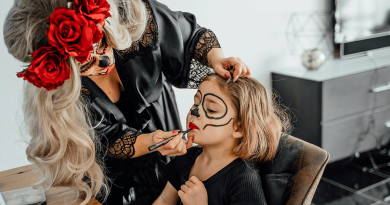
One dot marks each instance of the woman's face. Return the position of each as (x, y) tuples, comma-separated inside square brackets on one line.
[(102, 61), (213, 114)]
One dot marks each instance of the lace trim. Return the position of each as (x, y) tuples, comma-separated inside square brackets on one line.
[(123, 147), (197, 72), (200, 67), (148, 41)]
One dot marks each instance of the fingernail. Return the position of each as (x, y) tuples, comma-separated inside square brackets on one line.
[(227, 75), (175, 131)]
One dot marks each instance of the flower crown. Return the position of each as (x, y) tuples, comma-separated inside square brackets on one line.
[(71, 31)]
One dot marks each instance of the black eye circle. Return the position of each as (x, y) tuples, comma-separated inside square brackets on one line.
[(212, 113)]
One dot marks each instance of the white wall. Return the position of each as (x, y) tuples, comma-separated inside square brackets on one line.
[(12, 148), (250, 29)]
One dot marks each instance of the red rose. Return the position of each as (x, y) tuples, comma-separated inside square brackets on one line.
[(95, 10), (48, 68), (72, 34)]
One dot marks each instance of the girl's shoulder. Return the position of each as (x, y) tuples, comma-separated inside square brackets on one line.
[(245, 170)]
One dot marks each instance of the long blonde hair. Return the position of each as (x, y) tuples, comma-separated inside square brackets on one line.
[(261, 118), (63, 144)]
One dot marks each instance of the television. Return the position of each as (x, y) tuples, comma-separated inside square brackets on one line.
[(362, 27)]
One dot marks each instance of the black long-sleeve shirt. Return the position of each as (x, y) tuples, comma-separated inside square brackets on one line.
[(237, 183)]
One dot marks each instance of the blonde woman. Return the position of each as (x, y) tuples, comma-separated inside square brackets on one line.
[(92, 132)]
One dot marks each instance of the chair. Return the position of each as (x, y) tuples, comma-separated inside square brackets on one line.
[(293, 175), (308, 170)]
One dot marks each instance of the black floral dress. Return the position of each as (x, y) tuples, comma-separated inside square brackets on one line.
[(172, 51)]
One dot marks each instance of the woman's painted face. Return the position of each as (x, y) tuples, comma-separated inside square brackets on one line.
[(212, 115), (102, 61)]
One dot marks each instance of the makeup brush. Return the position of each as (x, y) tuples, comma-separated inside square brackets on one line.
[(159, 144)]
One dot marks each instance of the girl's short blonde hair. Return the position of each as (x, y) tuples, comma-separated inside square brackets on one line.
[(262, 121)]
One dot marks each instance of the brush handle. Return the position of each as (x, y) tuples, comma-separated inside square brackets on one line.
[(159, 144)]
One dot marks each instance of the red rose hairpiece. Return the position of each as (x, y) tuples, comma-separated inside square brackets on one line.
[(72, 32)]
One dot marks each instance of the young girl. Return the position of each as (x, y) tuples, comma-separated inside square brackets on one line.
[(237, 126)]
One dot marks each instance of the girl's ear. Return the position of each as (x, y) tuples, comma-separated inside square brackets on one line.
[(238, 131)]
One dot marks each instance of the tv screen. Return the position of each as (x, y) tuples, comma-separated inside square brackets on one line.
[(361, 19)]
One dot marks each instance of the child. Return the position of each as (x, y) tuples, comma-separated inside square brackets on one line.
[(237, 127)]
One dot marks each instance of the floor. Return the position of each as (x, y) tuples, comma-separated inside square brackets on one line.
[(354, 181)]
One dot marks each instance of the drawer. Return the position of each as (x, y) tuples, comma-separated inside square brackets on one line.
[(339, 138), (352, 94)]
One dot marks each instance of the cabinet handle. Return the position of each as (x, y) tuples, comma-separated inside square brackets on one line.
[(380, 89)]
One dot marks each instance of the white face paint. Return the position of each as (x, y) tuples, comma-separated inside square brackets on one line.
[(102, 61)]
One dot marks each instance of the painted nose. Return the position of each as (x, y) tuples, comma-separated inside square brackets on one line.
[(195, 112), (104, 62)]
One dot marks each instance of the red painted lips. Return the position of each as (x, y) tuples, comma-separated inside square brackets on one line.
[(193, 126)]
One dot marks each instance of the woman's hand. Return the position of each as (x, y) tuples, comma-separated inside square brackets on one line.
[(177, 146), (240, 68), (193, 192), (220, 64)]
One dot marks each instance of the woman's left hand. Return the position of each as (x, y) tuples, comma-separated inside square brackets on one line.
[(221, 65), (193, 192)]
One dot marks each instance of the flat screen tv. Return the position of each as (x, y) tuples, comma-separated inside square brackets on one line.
[(362, 27)]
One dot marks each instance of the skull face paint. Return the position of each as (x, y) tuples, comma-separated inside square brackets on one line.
[(213, 113), (212, 125), (195, 112), (102, 61), (214, 107)]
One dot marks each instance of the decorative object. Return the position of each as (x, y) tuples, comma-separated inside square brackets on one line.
[(310, 38), (313, 59)]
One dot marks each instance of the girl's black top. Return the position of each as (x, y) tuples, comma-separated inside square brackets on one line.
[(172, 51), (237, 183)]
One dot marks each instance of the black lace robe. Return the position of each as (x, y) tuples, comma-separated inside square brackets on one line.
[(172, 51)]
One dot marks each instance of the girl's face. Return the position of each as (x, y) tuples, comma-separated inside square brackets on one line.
[(212, 116), (102, 61)]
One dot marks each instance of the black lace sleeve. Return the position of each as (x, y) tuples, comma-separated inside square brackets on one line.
[(123, 147), (200, 67)]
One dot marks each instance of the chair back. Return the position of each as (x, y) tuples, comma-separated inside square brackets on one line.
[(307, 171)]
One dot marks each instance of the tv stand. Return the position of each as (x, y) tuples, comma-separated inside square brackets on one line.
[(333, 106)]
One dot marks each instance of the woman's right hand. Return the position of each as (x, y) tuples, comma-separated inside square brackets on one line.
[(177, 146)]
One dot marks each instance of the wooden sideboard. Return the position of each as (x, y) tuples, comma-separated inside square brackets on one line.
[(333, 106), (22, 177)]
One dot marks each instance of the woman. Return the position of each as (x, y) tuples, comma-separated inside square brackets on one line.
[(129, 53)]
